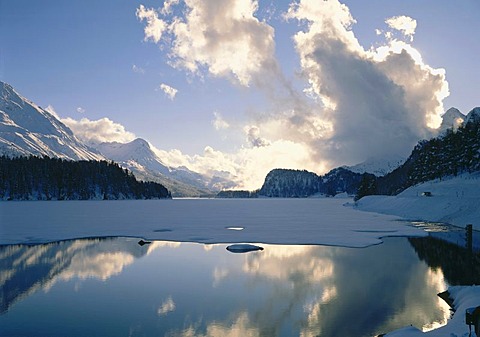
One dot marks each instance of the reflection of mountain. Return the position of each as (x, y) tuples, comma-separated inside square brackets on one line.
[(25, 269), (459, 266)]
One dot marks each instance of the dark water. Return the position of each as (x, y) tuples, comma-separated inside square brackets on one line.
[(115, 287)]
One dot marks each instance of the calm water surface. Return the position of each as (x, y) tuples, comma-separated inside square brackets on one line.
[(115, 287)]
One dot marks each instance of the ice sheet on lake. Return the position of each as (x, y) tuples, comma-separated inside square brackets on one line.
[(282, 221)]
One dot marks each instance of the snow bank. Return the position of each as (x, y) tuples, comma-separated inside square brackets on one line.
[(463, 298), (281, 221), (454, 201)]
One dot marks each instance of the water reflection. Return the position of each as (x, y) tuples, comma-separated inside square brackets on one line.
[(173, 289), (25, 269)]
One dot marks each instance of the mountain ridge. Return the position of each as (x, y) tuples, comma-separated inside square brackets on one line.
[(26, 129)]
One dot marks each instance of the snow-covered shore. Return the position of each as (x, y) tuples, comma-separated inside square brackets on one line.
[(453, 200)]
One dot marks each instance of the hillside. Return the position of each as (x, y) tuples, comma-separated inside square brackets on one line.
[(453, 200), (33, 178), (138, 157), (26, 129), (286, 183), (453, 152)]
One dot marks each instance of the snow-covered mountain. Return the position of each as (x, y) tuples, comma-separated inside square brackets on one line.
[(451, 119), (135, 155), (139, 157), (378, 166), (26, 129), (473, 116)]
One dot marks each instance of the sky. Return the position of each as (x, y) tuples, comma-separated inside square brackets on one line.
[(240, 87)]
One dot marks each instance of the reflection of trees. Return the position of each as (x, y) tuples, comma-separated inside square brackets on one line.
[(460, 267), (25, 269)]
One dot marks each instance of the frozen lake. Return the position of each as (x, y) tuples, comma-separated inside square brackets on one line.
[(115, 287), (281, 221), (76, 268)]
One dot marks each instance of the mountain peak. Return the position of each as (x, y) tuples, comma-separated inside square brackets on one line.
[(473, 116), (140, 142), (379, 166), (26, 129), (451, 119), (138, 151)]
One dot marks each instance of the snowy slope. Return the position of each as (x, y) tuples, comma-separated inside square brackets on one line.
[(138, 157), (451, 119), (454, 200), (27, 129), (378, 166), (473, 116)]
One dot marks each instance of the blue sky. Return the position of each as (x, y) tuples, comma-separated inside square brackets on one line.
[(92, 59)]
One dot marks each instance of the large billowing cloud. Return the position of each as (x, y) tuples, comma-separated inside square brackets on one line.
[(223, 37), (358, 102), (248, 166), (370, 102)]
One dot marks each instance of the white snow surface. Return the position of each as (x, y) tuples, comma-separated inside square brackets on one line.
[(137, 151), (326, 221), (451, 119), (282, 221), (26, 129), (139, 157), (454, 200), (378, 166)]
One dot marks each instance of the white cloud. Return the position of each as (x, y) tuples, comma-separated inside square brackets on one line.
[(80, 110), (219, 123), (167, 6), (368, 105), (171, 92), (357, 103), (404, 24), (253, 136), (51, 110), (247, 166), (223, 37), (137, 69), (155, 26), (98, 131)]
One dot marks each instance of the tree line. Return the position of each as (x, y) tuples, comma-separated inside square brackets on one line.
[(452, 153), (44, 178)]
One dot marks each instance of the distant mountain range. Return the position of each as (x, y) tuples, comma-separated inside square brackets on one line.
[(456, 149), (138, 157), (27, 129)]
